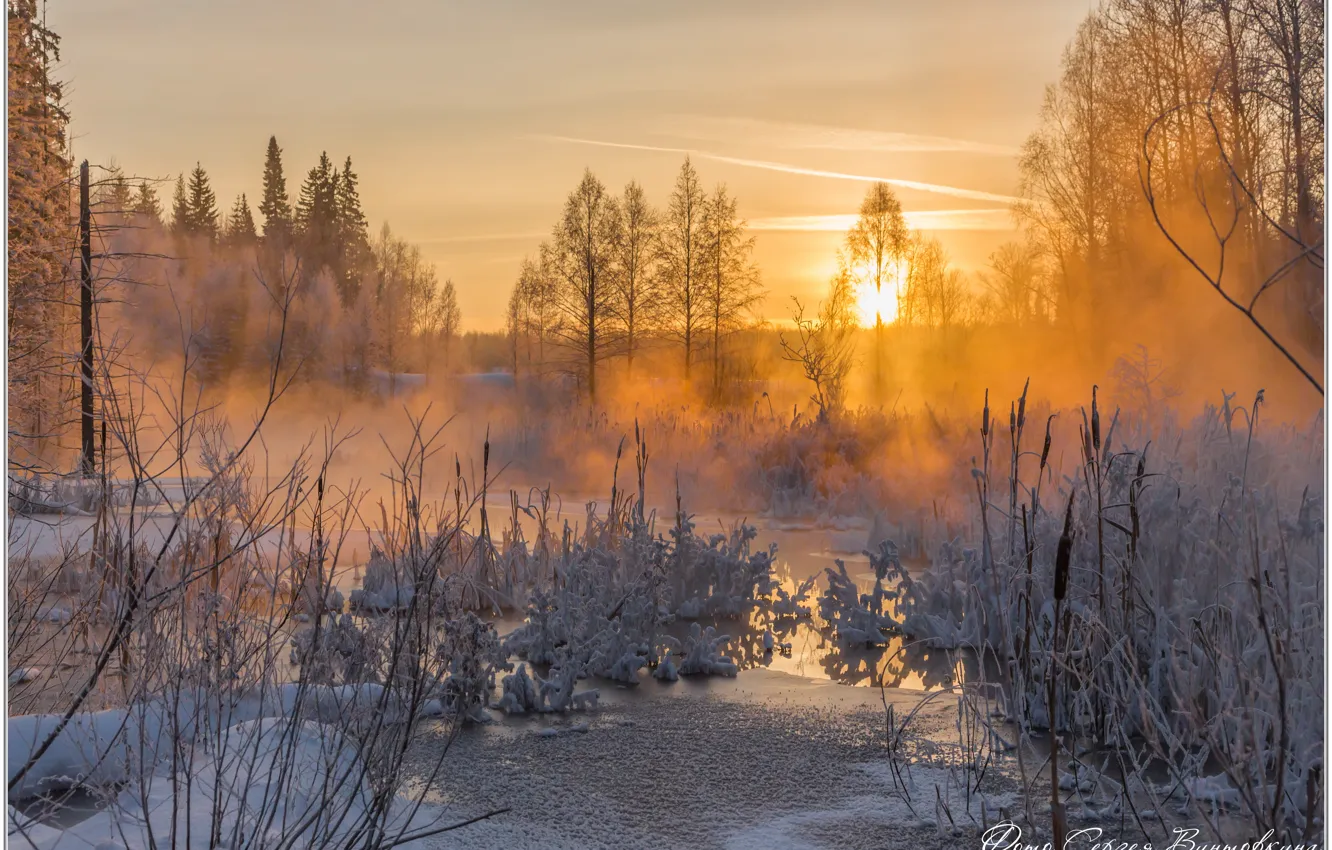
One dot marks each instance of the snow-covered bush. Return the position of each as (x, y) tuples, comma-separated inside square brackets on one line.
[(720, 576), (703, 653), (861, 618)]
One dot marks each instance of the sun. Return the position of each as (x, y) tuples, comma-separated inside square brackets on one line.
[(871, 305)]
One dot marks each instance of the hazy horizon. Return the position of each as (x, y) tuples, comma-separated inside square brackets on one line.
[(469, 125)]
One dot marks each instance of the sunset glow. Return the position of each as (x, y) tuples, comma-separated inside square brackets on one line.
[(881, 304)]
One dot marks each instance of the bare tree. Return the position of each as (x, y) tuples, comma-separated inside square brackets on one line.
[(935, 294), (534, 309), (583, 259), (681, 265), (638, 251), (440, 322), (1016, 284), (404, 290), (825, 346), (875, 246), (1222, 208), (730, 278)]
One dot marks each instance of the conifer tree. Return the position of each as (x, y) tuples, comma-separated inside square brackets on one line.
[(39, 231), (316, 215), (240, 223), (201, 207), (117, 199), (180, 208), (274, 206), (146, 204), (352, 242)]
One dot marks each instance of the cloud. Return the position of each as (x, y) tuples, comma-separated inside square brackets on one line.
[(981, 219), (936, 188), (823, 137)]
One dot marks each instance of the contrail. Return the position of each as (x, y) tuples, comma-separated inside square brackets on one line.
[(825, 137), (981, 219), (953, 191)]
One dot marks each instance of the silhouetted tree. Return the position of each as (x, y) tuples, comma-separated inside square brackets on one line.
[(240, 223), (584, 261), (681, 261), (874, 250), (352, 246), (728, 276), (180, 208), (146, 204), (317, 216), (638, 249), (201, 205), (274, 206)]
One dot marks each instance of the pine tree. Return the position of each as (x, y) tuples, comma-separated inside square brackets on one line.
[(146, 204), (240, 223), (201, 208), (274, 206), (352, 242), (180, 209)]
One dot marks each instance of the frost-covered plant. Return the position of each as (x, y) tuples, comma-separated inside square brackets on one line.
[(702, 654), (523, 693), (1191, 629), (720, 576), (861, 618), (475, 654)]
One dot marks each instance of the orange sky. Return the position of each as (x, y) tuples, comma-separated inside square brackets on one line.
[(469, 122)]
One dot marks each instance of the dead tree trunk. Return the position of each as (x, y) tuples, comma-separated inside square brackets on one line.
[(88, 464)]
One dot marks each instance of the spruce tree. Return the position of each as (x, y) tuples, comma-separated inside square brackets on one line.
[(39, 233), (316, 215), (118, 200), (240, 223), (353, 244), (180, 209), (274, 206), (201, 207), (146, 204)]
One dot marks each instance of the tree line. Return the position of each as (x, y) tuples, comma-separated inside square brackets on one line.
[(619, 276), (363, 303)]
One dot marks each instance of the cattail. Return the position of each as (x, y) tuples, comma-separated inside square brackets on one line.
[(1064, 554), (985, 416), (1012, 419), (1045, 450), (1087, 455), (1022, 405), (1095, 422)]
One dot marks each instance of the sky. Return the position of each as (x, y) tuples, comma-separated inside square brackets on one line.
[(470, 122)]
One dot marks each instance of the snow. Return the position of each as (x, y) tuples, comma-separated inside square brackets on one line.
[(300, 783), (102, 748)]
